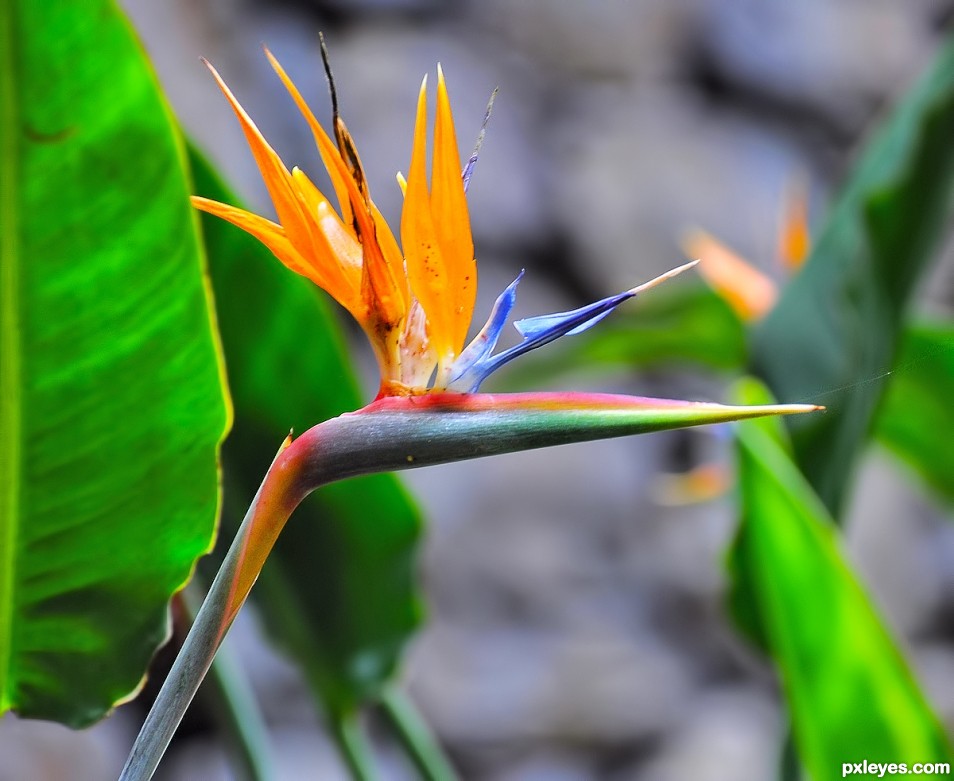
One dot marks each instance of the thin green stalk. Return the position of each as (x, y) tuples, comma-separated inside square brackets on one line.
[(235, 702), (416, 736), (353, 747)]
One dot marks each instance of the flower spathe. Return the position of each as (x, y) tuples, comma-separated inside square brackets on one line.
[(414, 301)]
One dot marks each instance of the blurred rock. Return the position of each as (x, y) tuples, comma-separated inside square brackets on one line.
[(44, 751), (840, 59), (599, 688), (546, 766), (637, 170), (595, 40), (728, 735), (934, 663)]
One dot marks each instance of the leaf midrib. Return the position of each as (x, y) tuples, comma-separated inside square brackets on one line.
[(10, 346)]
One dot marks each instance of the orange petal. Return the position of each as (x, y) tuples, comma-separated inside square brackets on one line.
[(326, 148), (425, 264), (702, 484), (747, 290), (449, 212), (384, 277), (341, 251), (794, 241), (349, 154), (266, 231), (384, 285), (276, 176), (389, 246)]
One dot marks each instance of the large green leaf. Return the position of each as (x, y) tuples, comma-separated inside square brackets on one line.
[(837, 323), (851, 695), (681, 323), (916, 417), (339, 590), (112, 401)]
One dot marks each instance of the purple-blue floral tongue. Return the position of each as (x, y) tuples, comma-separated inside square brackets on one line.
[(476, 362)]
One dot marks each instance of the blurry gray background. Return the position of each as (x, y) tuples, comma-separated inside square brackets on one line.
[(577, 629)]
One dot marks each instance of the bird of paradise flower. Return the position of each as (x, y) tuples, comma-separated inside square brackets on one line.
[(415, 302), (415, 307)]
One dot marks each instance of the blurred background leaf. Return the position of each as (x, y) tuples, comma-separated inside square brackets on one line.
[(916, 417), (837, 322), (339, 590), (831, 647), (113, 401), (831, 339)]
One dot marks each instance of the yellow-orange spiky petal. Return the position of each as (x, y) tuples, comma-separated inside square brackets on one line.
[(271, 235), (341, 260), (449, 212), (390, 247), (422, 250), (382, 284), (386, 282), (276, 177), (349, 155), (322, 141)]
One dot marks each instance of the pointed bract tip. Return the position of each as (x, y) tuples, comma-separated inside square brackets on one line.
[(797, 409), (663, 277)]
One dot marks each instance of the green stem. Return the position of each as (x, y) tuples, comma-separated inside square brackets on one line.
[(354, 748), (226, 595), (416, 737), (234, 702)]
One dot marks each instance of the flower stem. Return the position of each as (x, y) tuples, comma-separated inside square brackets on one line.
[(416, 737), (226, 595), (234, 702), (353, 747)]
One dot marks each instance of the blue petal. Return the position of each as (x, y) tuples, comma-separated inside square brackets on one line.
[(542, 325), (475, 364), (482, 345)]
